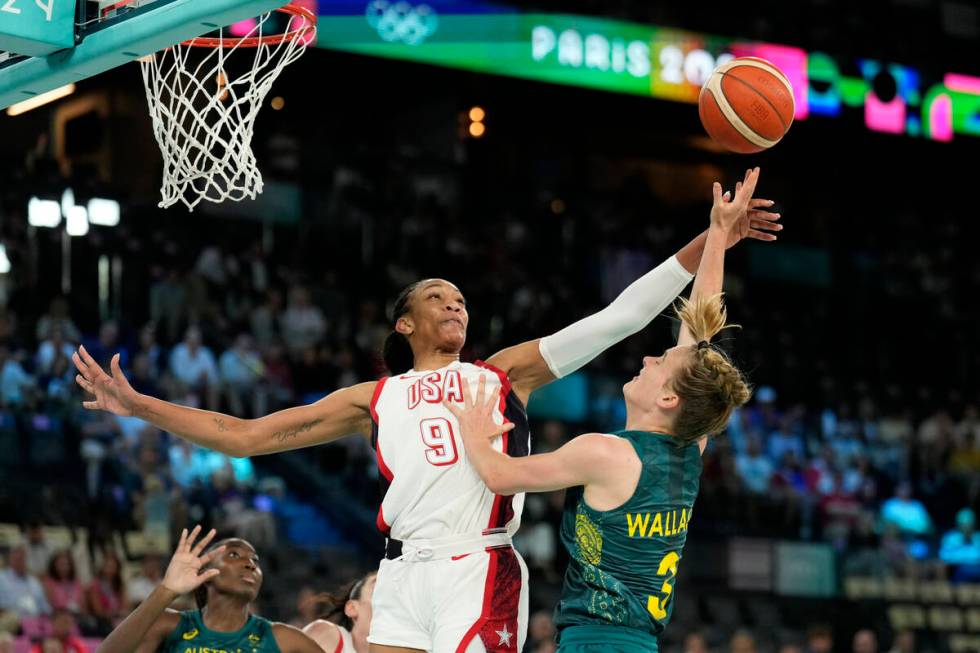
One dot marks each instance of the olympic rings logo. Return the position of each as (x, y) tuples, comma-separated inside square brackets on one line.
[(401, 21)]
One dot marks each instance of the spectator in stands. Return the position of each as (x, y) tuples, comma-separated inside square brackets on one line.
[(20, 592), (541, 632), (905, 512), (62, 588), (695, 643), (193, 366), (742, 642), (242, 371), (168, 299), (904, 642), (106, 594), (865, 641), (142, 585), (51, 348), (64, 632), (38, 551), (6, 642), (790, 648), (307, 607), (754, 469), (17, 387), (302, 323), (143, 379), (819, 639), (149, 348), (58, 317), (960, 548)]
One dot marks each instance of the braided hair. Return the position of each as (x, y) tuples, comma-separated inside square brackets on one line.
[(397, 353), (710, 386)]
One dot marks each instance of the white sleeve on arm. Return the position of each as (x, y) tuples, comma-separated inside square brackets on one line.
[(643, 300)]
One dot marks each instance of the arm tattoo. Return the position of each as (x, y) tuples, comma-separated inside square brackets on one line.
[(282, 436), (221, 424)]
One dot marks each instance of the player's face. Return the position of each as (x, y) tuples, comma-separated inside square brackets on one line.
[(362, 610), (651, 385), (240, 574), (437, 317)]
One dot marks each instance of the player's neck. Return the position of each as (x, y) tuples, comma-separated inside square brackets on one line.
[(224, 614), (653, 421), (433, 360)]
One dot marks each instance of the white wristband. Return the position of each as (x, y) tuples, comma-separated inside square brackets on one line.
[(643, 300)]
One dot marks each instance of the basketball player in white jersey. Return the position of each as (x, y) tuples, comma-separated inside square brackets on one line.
[(451, 581), (354, 611)]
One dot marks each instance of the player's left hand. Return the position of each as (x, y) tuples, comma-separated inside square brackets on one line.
[(475, 415)]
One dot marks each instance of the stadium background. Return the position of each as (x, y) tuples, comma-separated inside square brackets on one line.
[(833, 499)]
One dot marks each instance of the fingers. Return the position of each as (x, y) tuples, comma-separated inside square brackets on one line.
[(758, 203), (761, 235), (79, 363), (209, 574), (200, 546), (467, 395), (88, 360), (84, 383), (183, 541), (481, 391), (191, 537), (765, 225), (764, 215), (507, 426), (213, 554), (716, 192), (91, 405)]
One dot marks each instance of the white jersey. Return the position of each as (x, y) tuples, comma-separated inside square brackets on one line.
[(431, 490), (317, 632)]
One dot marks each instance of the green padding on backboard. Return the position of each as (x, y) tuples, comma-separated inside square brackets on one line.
[(124, 41), (37, 28)]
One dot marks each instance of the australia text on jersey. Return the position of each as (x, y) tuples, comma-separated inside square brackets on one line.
[(662, 524)]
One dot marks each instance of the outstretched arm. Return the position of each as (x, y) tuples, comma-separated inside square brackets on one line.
[(587, 459), (538, 362), (725, 212), (338, 414)]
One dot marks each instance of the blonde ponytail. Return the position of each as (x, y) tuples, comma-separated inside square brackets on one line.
[(710, 387)]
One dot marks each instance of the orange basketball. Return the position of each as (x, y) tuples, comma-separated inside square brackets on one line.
[(747, 105)]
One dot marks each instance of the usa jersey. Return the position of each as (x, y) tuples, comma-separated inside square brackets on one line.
[(430, 490)]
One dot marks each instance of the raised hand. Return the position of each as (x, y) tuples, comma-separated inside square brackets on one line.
[(184, 572), (112, 393), (475, 416), (742, 216)]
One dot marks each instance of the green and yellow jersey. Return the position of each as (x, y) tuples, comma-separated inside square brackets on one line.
[(192, 636), (623, 562)]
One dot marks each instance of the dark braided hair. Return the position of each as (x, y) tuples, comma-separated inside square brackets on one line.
[(397, 353), (336, 603)]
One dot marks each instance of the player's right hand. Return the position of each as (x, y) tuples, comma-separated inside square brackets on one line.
[(727, 212), (112, 393), (184, 572)]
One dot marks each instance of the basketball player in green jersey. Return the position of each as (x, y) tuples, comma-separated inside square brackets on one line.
[(632, 493), (225, 580)]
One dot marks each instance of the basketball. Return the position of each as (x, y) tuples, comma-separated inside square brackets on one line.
[(747, 105)]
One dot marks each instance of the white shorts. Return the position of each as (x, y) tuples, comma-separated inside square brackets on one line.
[(474, 602)]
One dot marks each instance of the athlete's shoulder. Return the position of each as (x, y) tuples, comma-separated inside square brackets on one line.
[(325, 633), (293, 640)]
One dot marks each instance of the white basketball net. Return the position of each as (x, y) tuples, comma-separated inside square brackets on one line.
[(203, 117)]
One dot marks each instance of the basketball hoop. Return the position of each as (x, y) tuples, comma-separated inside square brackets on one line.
[(204, 95)]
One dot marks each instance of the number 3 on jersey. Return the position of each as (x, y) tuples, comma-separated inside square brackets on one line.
[(657, 605), (440, 441)]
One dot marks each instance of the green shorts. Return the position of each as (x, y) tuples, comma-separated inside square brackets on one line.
[(605, 639)]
